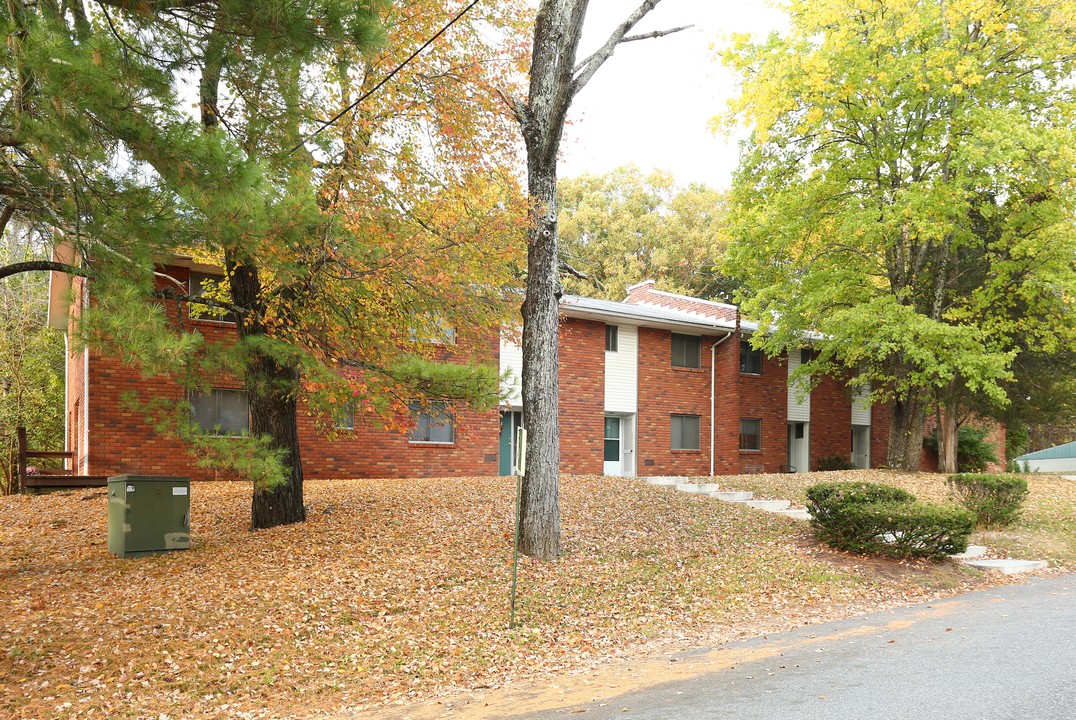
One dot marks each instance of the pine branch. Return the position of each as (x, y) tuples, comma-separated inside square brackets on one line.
[(42, 266)]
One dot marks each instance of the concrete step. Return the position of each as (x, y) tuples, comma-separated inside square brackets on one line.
[(767, 505), (973, 551), (1009, 567), (794, 514), (703, 488), (665, 480), (733, 495)]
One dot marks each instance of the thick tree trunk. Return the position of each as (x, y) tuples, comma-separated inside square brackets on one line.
[(271, 391), (540, 505), (555, 78), (906, 433), (948, 428)]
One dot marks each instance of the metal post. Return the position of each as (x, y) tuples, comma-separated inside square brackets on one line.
[(518, 470)]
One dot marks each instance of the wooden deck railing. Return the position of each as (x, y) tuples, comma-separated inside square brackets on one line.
[(52, 477)]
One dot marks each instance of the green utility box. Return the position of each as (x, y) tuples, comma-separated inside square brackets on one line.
[(148, 514)]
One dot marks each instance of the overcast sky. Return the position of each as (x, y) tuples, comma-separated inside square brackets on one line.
[(651, 102)]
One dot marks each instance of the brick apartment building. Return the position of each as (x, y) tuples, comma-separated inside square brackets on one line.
[(659, 384)]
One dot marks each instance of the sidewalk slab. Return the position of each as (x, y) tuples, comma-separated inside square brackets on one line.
[(1009, 567), (733, 495), (973, 551), (767, 505), (665, 480), (705, 488)]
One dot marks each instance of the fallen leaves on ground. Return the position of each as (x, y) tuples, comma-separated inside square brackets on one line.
[(396, 589)]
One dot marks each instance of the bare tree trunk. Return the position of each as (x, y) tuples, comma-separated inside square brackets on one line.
[(555, 79), (948, 432), (906, 433)]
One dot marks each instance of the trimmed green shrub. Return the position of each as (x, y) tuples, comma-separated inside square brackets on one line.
[(834, 463), (901, 529), (824, 499), (882, 519), (995, 499)]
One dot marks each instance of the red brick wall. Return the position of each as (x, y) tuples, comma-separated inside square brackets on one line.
[(727, 404), (831, 421), (123, 440), (881, 421), (582, 396), (765, 397), (665, 390)]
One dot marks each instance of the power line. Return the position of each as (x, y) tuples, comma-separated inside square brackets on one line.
[(385, 79)]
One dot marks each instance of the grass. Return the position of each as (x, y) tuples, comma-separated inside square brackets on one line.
[(396, 590)]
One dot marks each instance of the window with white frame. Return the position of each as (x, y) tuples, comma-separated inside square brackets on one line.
[(221, 411), (433, 423)]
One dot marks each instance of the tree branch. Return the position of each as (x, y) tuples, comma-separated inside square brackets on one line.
[(170, 294), (656, 34), (42, 265), (585, 70)]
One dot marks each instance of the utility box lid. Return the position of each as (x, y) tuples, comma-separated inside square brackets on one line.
[(148, 514)]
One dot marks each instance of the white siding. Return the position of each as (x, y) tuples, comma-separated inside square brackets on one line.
[(512, 361), (622, 372), (861, 409), (799, 409)]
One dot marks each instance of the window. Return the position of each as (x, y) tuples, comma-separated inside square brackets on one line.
[(750, 434), (433, 424), (432, 330), (612, 439), (750, 359), (208, 284), (686, 351), (806, 356), (221, 412), (685, 432), (612, 336), (345, 418)]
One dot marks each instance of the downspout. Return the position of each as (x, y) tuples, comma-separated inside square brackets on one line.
[(713, 396)]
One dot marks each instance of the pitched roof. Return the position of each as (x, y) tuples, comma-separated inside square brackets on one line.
[(1068, 450)]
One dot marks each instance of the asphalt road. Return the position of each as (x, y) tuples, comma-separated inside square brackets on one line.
[(1004, 653)]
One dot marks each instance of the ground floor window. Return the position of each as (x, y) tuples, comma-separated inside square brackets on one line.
[(433, 423), (750, 434), (221, 411), (685, 432)]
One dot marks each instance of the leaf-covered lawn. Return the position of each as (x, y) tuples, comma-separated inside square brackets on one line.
[(395, 589), (1046, 529)]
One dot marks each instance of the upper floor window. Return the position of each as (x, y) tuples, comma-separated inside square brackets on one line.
[(221, 412), (686, 351), (433, 423), (806, 355), (750, 359), (201, 284), (612, 338)]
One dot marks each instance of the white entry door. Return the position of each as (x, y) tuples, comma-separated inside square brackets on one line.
[(614, 464), (799, 443), (861, 446)]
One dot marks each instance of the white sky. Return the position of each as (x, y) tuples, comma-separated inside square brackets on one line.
[(651, 102)]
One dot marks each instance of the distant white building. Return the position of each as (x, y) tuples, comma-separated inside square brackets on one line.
[(1059, 459)]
